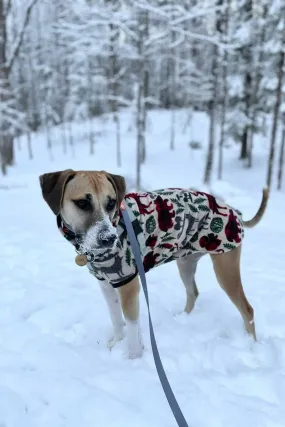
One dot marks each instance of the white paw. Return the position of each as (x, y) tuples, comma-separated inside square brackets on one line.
[(136, 353), (118, 336)]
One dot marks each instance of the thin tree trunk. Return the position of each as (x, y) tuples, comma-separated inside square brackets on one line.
[(244, 138), (64, 141), (145, 24), (9, 149), (29, 144), (188, 121), (222, 135), (276, 112), (258, 58), (225, 91), (2, 157), (6, 64), (248, 91), (172, 131), (48, 132), (173, 87), (250, 144), (91, 136), (7, 142), (140, 131), (113, 80), (212, 106), (70, 138), (118, 140), (281, 159), (90, 113), (141, 114)]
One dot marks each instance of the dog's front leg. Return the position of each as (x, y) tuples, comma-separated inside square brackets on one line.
[(129, 294), (112, 299)]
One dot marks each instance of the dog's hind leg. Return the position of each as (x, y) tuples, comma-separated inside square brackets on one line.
[(227, 269), (187, 268)]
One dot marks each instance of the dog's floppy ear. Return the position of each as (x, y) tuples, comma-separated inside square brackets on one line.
[(119, 185), (53, 185)]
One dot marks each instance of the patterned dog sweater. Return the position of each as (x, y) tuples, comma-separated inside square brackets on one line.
[(169, 224)]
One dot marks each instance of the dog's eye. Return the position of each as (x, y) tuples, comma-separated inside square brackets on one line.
[(83, 204), (111, 204)]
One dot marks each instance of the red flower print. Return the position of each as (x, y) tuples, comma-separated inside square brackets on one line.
[(232, 229), (151, 241), (165, 216), (210, 242), (149, 261)]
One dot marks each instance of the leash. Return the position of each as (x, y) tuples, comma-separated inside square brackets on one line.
[(159, 367)]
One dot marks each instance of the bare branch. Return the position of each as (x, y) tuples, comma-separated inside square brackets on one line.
[(15, 49), (8, 7)]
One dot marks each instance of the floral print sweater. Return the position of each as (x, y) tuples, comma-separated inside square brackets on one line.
[(169, 224)]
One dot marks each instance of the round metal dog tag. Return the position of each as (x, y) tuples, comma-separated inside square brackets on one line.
[(81, 260)]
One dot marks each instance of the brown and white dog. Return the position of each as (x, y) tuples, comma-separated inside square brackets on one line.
[(171, 224)]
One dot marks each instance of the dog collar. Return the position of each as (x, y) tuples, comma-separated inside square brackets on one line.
[(66, 231)]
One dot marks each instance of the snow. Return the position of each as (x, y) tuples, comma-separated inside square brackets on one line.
[(55, 367)]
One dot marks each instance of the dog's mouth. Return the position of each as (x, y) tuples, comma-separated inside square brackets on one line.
[(99, 238)]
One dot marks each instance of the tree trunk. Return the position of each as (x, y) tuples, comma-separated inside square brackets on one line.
[(245, 134), (6, 64), (48, 132), (7, 145), (145, 87), (172, 131), (29, 143), (280, 75), (257, 61), (243, 153), (141, 105), (118, 140), (70, 138), (212, 108), (63, 134), (225, 91), (281, 158), (173, 87), (250, 144), (91, 136), (113, 81)]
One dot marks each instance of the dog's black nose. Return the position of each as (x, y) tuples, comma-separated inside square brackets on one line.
[(106, 241)]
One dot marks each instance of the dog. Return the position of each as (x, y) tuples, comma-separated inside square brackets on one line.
[(170, 224)]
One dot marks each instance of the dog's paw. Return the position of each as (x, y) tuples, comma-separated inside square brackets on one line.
[(118, 336), (136, 353), (136, 349)]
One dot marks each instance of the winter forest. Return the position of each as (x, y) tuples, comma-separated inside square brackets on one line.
[(63, 61), (184, 94)]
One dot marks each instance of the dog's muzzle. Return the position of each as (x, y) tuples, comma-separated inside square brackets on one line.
[(106, 240), (99, 237)]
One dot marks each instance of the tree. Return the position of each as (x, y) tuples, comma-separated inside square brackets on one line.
[(278, 97), (225, 30), (10, 117), (281, 156)]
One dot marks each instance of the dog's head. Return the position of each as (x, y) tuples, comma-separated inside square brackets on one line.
[(87, 202)]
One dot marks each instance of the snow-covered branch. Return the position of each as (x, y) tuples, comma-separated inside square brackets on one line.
[(20, 37)]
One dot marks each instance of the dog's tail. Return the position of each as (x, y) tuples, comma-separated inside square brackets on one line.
[(259, 214)]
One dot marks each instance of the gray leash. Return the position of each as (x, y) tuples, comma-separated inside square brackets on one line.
[(159, 367)]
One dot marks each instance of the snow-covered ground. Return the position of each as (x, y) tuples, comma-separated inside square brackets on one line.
[(55, 368)]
